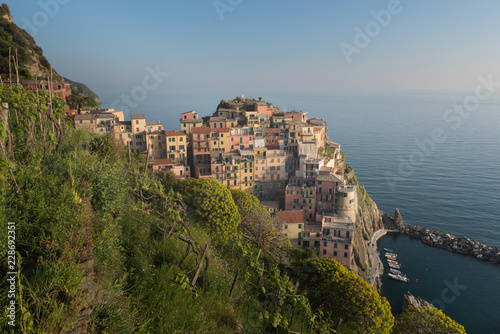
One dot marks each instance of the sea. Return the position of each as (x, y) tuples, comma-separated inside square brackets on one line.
[(434, 155)]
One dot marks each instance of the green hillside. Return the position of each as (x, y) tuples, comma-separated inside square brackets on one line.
[(103, 246)]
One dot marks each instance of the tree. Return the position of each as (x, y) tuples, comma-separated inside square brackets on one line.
[(424, 320), (257, 225), (212, 205), (345, 298)]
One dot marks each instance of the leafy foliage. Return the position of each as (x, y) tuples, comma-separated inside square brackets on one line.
[(149, 254), (77, 100), (257, 225), (344, 297), (426, 319), (213, 205)]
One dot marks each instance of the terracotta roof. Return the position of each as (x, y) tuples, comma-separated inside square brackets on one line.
[(292, 216), (189, 112), (201, 129), (154, 123), (171, 133), (160, 162), (261, 103)]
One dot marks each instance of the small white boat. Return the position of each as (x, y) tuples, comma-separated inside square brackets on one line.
[(396, 272), (394, 266), (394, 262), (398, 277), (391, 255), (388, 250)]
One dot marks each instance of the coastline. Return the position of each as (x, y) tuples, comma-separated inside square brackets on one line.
[(447, 241), (460, 245)]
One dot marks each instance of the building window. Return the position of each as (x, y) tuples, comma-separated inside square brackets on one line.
[(335, 245), (324, 251), (345, 254), (334, 253), (299, 242), (300, 225), (346, 246), (286, 226), (136, 121), (325, 243)]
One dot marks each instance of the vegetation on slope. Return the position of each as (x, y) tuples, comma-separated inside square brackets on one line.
[(103, 246)]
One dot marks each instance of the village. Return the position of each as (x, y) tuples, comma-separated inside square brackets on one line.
[(284, 159)]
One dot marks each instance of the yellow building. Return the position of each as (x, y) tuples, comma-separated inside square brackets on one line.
[(221, 141), (293, 225), (175, 145)]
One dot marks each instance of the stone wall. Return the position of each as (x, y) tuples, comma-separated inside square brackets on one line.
[(462, 245)]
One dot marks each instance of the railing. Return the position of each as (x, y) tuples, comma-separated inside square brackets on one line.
[(331, 237)]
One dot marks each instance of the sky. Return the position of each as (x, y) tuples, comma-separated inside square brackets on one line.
[(266, 45)]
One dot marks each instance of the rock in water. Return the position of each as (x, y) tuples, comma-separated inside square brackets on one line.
[(409, 299), (398, 220)]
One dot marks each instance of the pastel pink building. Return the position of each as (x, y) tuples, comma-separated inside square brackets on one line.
[(301, 197), (180, 170), (241, 139), (272, 138), (326, 186), (337, 239)]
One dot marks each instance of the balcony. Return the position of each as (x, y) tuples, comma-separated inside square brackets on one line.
[(331, 237)]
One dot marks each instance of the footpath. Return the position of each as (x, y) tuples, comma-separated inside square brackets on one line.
[(377, 268)]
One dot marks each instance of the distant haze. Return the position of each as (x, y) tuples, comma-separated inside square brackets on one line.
[(257, 45)]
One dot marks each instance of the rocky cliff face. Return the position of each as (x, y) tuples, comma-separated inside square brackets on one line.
[(369, 220), (22, 48)]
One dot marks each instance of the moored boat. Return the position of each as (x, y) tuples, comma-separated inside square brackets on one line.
[(388, 250), (394, 266), (396, 272), (398, 277), (391, 255), (394, 262)]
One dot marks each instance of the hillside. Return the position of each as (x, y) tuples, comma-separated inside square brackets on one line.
[(32, 63), (104, 246)]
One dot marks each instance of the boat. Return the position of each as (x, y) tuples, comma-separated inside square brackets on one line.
[(394, 266), (397, 272), (391, 255), (398, 277), (388, 250), (394, 262), (391, 258)]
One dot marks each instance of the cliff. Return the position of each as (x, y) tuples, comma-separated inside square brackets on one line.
[(368, 221), (32, 62)]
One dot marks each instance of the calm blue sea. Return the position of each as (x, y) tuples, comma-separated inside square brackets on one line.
[(441, 170)]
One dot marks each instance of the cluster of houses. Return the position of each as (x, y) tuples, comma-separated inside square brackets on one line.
[(284, 159)]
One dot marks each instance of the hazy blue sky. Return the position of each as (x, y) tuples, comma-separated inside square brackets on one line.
[(266, 45)]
